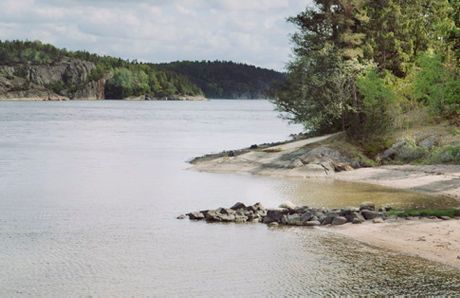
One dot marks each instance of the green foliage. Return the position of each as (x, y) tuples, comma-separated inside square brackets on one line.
[(124, 78), (57, 87), (130, 78), (446, 154), (437, 85), (356, 65), (310, 92), (126, 83), (32, 52), (378, 105), (425, 212), (99, 72), (401, 30)]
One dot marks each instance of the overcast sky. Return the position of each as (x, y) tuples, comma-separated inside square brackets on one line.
[(250, 31)]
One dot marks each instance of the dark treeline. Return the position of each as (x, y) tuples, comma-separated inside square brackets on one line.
[(364, 66), (224, 79)]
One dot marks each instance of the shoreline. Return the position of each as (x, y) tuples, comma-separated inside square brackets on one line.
[(437, 241), (280, 160)]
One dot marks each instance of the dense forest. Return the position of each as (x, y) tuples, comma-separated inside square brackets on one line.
[(124, 78), (370, 66), (222, 79)]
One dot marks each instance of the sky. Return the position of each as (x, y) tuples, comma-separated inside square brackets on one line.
[(247, 31)]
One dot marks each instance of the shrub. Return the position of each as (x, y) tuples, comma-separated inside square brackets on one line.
[(437, 85), (378, 107)]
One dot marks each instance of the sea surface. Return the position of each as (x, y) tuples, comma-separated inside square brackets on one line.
[(90, 191)]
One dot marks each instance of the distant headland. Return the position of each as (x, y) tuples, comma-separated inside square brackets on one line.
[(32, 70)]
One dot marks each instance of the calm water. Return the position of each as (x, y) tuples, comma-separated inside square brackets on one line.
[(90, 192)]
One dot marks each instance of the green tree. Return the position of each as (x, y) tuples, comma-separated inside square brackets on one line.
[(437, 85), (321, 90)]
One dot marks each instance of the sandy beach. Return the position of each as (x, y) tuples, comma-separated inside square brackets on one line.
[(438, 240), (435, 240)]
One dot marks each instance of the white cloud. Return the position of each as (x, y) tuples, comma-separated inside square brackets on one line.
[(250, 31)]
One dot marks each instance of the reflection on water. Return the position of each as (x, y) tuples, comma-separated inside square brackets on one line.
[(337, 194), (90, 192)]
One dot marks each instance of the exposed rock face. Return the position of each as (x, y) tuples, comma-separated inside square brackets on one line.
[(404, 150), (68, 79), (331, 160)]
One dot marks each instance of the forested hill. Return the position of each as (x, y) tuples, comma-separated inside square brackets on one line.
[(34, 70), (39, 71), (224, 79)]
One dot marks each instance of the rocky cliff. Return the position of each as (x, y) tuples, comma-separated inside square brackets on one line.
[(66, 79)]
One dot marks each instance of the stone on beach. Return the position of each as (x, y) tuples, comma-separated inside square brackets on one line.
[(368, 214), (288, 205), (339, 220), (367, 206), (378, 220), (312, 223)]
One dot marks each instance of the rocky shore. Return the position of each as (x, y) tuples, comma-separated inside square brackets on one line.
[(292, 215), (435, 238), (331, 157)]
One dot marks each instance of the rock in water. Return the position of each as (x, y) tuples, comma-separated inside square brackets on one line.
[(238, 205), (195, 215), (275, 215), (182, 216), (339, 220)]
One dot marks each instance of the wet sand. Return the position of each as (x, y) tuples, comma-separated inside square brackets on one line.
[(437, 241)]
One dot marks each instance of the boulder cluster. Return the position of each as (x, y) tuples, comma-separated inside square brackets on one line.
[(239, 213), (290, 214)]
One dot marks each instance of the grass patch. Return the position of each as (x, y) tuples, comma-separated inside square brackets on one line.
[(452, 212)]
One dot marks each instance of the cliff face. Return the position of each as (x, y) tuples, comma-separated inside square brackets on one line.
[(67, 79)]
